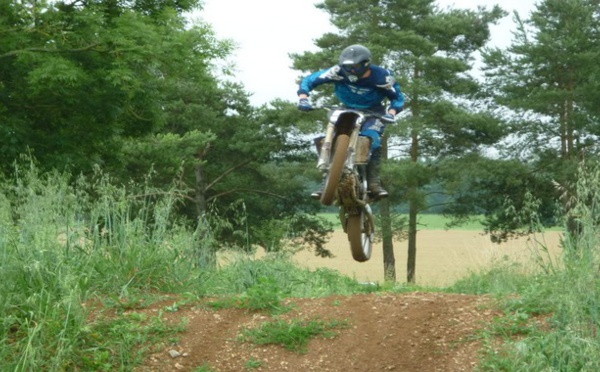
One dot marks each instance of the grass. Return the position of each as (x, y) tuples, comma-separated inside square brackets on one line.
[(65, 246), (293, 335), (122, 341), (551, 319)]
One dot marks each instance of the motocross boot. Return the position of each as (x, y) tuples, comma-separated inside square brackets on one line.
[(317, 193), (374, 180)]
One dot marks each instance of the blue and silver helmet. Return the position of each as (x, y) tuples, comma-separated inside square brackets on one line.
[(355, 60)]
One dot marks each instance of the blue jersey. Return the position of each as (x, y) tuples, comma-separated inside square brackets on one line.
[(364, 93)]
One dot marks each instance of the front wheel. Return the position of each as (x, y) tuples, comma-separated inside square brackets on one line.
[(336, 167), (361, 232)]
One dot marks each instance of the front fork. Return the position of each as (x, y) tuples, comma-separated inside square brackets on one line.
[(325, 152)]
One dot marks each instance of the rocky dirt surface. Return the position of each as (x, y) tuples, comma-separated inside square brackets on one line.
[(382, 332)]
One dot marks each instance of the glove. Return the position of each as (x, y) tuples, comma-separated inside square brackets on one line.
[(388, 118), (304, 105)]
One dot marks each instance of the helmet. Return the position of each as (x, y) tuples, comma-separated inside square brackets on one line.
[(355, 60)]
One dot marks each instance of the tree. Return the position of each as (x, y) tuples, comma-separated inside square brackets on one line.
[(131, 86), (431, 51), (549, 78), (79, 78)]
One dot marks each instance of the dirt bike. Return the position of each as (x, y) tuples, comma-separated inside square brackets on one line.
[(343, 157)]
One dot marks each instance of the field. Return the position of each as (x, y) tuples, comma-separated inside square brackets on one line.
[(443, 256)]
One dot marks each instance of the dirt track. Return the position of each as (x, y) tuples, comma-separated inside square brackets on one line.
[(385, 332)]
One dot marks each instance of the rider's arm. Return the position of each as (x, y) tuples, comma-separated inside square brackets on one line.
[(396, 97), (392, 91), (397, 101), (317, 78)]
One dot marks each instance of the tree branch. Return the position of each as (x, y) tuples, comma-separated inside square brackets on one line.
[(43, 50), (227, 172)]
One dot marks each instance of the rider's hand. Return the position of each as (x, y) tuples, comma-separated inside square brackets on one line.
[(304, 104), (389, 118)]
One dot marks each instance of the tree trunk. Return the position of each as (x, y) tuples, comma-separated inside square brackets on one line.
[(207, 255), (200, 188), (413, 210), (411, 261), (389, 261)]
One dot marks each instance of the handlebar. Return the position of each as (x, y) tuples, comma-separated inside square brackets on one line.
[(364, 112)]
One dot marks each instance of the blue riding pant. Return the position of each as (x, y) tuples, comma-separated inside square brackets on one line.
[(373, 128)]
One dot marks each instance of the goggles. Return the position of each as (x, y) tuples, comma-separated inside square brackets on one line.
[(355, 68)]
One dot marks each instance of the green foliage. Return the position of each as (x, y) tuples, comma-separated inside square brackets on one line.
[(254, 363), (204, 368), (502, 278), (514, 324), (122, 342), (513, 199), (296, 232), (78, 79), (266, 295), (242, 273), (553, 113), (551, 317), (544, 82), (293, 335), (63, 243)]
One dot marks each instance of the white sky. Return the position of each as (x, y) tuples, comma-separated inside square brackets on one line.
[(266, 31)]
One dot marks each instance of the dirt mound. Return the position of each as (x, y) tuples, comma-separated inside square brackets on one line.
[(383, 332)]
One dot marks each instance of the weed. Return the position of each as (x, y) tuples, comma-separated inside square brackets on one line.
[(265, 295), (293, 335), (512, 324), (122, 341), (254, 363)]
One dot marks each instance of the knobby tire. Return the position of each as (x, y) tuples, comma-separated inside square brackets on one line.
[(360, 230), (336, 167)]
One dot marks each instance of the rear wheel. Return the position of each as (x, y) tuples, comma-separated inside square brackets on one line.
[(361, 231), (336, 167)]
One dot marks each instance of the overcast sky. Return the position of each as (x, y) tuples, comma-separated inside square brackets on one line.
[(266, 31)]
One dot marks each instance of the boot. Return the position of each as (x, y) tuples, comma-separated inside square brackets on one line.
[(317, 193), (374, 180)]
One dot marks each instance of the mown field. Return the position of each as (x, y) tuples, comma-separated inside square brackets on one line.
[(443, 256)]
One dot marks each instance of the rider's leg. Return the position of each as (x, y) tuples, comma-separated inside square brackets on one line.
[(374, 130), (317, 193), (373, 175)]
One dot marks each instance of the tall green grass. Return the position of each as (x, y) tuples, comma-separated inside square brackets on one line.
[(64, 242), (551, 315), (67, 244)]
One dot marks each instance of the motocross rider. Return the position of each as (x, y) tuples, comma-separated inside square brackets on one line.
[(360, 85)]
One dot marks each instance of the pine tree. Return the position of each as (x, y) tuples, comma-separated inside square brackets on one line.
[(431, 51), (549, 78)]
